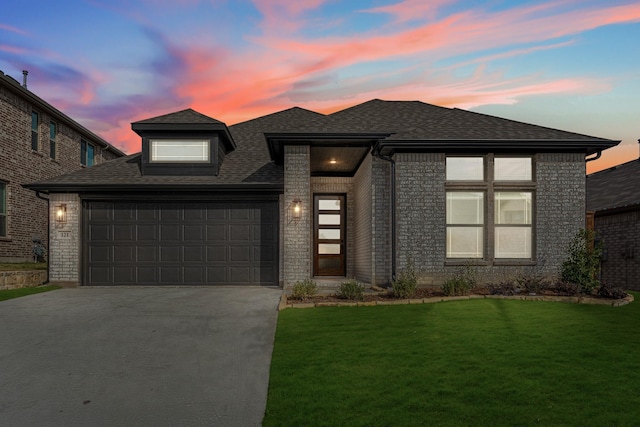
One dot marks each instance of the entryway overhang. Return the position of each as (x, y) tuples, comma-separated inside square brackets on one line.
[(331, 154)]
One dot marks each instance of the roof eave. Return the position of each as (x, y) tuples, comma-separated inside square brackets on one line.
[(128, 188), (390, 147)]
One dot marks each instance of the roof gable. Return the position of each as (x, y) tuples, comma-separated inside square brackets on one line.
[(616, 187)]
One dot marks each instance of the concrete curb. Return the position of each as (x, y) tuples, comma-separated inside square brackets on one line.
[(286, 303)]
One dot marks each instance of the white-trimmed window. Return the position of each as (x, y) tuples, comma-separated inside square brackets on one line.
[(180, 150), (490, 198), (512, 224), (465, 224)]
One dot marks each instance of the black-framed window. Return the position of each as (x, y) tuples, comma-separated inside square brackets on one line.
[(490, 207), (3, 209), (87, 153), (35, 123), (53, 133)]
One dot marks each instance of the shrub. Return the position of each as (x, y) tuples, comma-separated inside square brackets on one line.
[(351, 290), (607, 291), (502, 288), (567, 288), (530, 283), (406, 284), (583, 262), (461, 283), (305, 289)]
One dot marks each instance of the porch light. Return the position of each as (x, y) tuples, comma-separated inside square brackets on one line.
[(61, 214), (333, 161), (296, 210)]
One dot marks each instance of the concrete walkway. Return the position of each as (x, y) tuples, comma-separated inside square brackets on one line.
[(137, 356)]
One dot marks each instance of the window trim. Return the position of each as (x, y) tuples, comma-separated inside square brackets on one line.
[(4, 209), (53, 134), (35, 131), (84, 153), (490, 186)]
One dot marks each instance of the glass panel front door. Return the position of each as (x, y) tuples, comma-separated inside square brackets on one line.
[(329, 235)]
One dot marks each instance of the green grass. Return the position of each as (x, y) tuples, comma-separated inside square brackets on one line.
[(477, 362), (13, 266), (21, 292)]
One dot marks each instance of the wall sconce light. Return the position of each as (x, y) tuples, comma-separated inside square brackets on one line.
[(296, 210), (61, 214)]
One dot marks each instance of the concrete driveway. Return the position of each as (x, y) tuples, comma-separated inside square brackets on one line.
[(137, 356)]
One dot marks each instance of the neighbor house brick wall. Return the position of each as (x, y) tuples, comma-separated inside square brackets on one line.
[(362, 214), (297, 234), (64, 260), (19, 164), (621, 248)]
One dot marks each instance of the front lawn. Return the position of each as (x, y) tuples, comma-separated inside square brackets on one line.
[(476, 362), (21, 292)]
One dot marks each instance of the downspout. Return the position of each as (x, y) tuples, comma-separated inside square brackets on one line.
[(48, 236), (598, 154), (377, 154)]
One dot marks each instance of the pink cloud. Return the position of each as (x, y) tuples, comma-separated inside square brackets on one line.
[(12, 29), (283, 15), (411, 10)]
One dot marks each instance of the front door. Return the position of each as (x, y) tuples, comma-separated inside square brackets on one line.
[(329, 231)]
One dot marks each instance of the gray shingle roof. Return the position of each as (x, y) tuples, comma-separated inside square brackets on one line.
[(616, 187), (250, 163)]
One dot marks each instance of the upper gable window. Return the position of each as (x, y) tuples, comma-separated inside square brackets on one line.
[(180, 150), (513, 169), (465, 168)]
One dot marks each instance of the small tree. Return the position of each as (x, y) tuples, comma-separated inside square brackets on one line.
[(583, 262)]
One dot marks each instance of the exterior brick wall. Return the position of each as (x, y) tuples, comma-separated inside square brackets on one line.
[(381, 221), (297, 234), (64, 261), (621, 248), (421, 216), (362, 215), (19, 164)]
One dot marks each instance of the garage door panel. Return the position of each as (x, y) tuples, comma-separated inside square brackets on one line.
[(147, 212), (240, 233), (170, 233), (199, 243), (124, 275), (124, 254), (194, 254), (146, 275), (170, 253), (147, 254), (100, 232), (101, 254), (194, 232), (124, 232), (217, 253)]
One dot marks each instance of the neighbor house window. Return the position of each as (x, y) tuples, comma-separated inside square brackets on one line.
[(180, 150), (35, 122), (489, 197), (53, 133), (3, 209), (87, 153)]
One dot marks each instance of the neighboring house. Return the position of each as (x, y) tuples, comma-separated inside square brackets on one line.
[(37, 142), (614, 196), (296, 194)]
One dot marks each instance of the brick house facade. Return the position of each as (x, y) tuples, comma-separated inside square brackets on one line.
[(355, 194), (37, 142), (613, 195)]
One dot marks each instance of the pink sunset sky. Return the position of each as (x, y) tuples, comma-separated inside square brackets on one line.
[(571, 65)]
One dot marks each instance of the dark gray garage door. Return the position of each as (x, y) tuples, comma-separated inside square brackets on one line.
[(185, 243)]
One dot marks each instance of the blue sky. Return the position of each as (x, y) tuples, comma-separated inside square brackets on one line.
[(572, 65)]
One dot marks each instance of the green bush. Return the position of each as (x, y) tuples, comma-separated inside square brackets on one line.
[(406, 284), (351, 290), (463, 282), (583, 262), (305, 289)]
